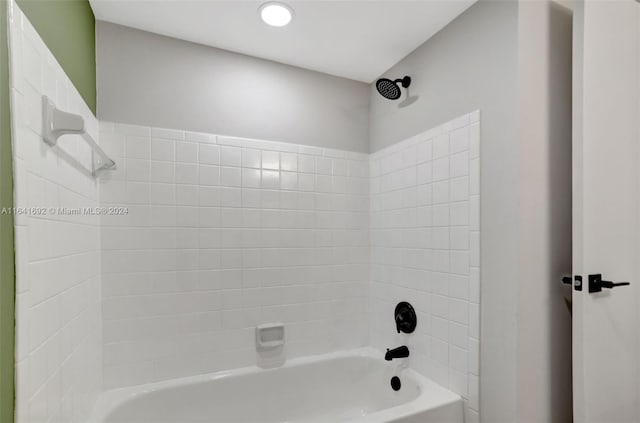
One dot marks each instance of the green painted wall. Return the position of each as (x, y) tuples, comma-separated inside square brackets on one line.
[(7, 273), (68, 29)]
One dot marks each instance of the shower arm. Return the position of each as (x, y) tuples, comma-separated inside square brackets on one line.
[(406, 81)]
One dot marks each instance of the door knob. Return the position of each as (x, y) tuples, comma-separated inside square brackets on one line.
[(596, 283)]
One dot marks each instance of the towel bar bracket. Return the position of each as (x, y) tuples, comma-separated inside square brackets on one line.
[(57, 123)]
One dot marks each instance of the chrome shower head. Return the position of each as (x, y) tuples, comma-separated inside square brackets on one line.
[(389, 89)]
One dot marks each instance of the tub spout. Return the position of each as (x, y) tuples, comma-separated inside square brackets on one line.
[(399, 352)]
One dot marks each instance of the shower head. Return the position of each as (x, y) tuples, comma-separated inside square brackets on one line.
[(389, 89)]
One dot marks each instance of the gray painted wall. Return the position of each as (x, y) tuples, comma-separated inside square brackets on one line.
[(472, 64), (149, 79)]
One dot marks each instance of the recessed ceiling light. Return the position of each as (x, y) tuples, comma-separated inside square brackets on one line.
[(275, 13)]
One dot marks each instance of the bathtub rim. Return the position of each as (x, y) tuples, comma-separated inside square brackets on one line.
[(426, 400)]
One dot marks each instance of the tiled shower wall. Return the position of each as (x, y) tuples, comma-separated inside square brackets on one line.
[(223, 234), (425, 249), (219, 234), (58, 322)]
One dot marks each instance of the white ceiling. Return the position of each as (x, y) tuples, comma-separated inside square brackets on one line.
[(357, 39)]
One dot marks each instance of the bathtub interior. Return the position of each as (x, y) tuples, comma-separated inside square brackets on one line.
[(331, 390)]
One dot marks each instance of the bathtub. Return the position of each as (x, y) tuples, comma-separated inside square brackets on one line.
[(351, 386)]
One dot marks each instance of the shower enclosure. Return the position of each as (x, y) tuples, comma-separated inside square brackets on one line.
[(199, 254)]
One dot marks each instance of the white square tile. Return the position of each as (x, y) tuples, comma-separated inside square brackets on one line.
[(440, 306), (289, 161), (306, 182), (441, 192), (440, 328), (425, 216), (137, 170), (339, 167), (440, 238), (459, 238), (230, 177), (186, 152), (459, 164), (288, 180), (251, 178), (439, 351), (324, 166), (209, 154), (161, 194), (162, 149), (458, 359), (209, 196), (425, 194), (137, 147), (230, 156), (459, 213), (441, 169), (459, 140), (162, 172), (209, 175), (425, 173), (187, 216), (271, 160), (460, 189), (458, 287), (306, 163), (251, 198), (441, 215), (441, 146), (270, 179), (459, 262), (270, 199), (459, 311), (251, 158), (425, 151), (324, 183), (186, 173), (441, 261)]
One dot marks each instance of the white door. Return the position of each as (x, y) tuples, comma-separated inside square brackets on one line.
[(606, 212)]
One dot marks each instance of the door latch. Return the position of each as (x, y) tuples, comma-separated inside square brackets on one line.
[(596, 283), (577, 281)]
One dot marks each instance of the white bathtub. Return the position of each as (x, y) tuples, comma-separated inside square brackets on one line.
[(350, 386)]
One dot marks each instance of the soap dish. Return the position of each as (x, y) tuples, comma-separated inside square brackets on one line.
[(269, 336)]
